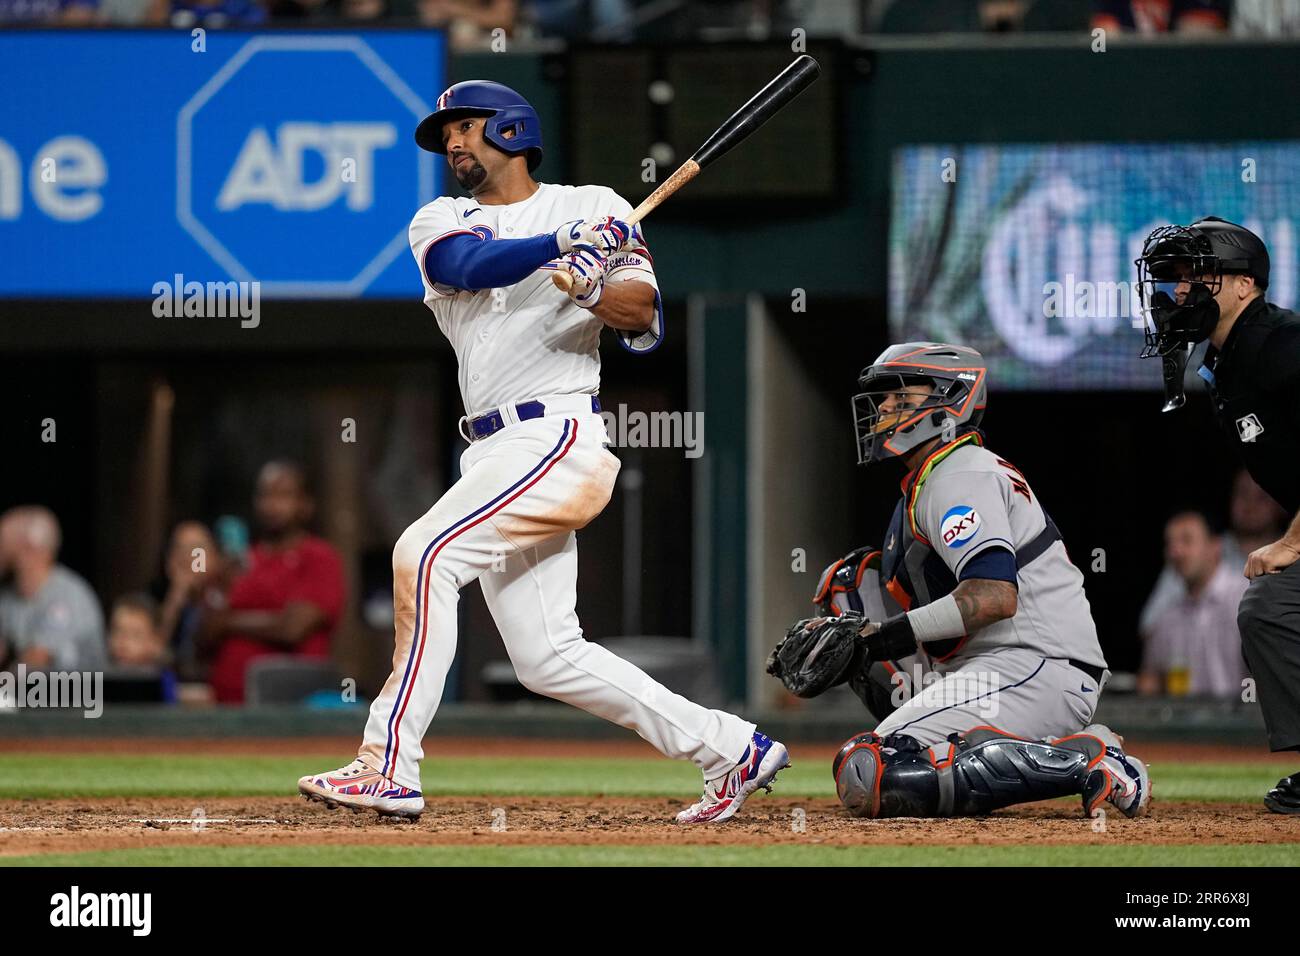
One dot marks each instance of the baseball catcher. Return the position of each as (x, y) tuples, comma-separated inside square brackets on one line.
[(968, 636)]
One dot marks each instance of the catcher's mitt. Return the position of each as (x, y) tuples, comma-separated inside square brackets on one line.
[(818, 653)]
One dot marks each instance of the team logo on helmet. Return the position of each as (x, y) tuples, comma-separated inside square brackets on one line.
[(504, 111)]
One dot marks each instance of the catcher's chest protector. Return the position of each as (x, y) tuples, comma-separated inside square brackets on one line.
[(853, 583), (914, 575)]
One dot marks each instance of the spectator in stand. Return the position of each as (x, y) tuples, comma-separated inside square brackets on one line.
[(191, 583), (290, 599), (212, 14), (68, 13), (1254, 520), (135, 635), (469, 23), (1194, 646), (123, 13), (371, 11), (579, 19), (1161, 16), (50, 618), (1266, 18), (140, 660)]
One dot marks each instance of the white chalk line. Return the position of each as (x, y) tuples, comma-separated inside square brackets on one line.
[(197, 822), (204, 821)]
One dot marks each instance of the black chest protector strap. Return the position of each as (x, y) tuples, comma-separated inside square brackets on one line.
[(1042, 541)]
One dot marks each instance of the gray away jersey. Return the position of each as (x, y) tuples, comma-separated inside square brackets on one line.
[(972, 501)]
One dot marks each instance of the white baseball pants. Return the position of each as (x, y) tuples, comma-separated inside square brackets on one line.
[(509, 522)]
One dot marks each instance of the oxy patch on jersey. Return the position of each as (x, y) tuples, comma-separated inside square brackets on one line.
[(959, 525)]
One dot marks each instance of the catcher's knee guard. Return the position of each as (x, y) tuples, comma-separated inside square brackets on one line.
[(980, 771)]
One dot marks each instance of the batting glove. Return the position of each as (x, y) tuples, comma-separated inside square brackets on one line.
[(607, 236), (587, 268)]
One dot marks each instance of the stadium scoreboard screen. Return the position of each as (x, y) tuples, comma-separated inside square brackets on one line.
[(1027, 252)]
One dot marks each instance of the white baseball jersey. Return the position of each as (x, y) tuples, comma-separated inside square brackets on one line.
[(510, 521), (527, 340)]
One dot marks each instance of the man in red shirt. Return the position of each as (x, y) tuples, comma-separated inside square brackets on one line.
[(291, 597)]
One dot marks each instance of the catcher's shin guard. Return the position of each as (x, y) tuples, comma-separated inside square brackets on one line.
[(972, 774)]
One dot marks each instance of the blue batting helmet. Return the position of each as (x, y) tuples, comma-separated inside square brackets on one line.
[(505, 110)]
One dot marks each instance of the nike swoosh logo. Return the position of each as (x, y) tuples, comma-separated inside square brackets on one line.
[(1085, 688), (337, 782), (469, 212)]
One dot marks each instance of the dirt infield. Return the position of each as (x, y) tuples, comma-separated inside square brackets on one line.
[(41, 826), (61, 826)]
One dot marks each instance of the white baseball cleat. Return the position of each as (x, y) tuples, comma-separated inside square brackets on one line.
[(1119, 778), (723, 796), (358, 788)]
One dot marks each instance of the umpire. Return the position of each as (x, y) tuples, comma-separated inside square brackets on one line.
[(1207, 281)]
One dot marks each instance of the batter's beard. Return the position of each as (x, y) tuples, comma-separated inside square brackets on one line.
[(472, 178)]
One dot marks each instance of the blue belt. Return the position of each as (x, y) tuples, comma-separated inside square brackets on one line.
[(492, 422)]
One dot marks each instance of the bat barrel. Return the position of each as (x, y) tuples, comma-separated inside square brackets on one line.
[(788, 84)]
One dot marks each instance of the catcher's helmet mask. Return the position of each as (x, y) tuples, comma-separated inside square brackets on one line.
[(956, 377), (1199, 255), (504, 110)]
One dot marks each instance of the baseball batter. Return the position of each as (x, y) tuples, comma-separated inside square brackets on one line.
[(537, 468), (995, 636)]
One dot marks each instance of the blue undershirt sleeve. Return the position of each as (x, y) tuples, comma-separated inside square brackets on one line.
[(992, 564), (466, 261)]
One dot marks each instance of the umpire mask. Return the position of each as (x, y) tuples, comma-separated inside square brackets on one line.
[(916, 392), (1181, 270), (1178, 278)]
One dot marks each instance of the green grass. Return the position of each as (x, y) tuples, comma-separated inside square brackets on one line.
[(177, 775), (775, 855)]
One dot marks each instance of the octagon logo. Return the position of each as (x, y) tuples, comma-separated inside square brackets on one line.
[(294, 166)]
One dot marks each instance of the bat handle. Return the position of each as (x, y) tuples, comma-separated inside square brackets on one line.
[(564, 282)]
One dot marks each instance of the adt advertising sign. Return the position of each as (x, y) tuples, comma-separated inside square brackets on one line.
[(128, 158)]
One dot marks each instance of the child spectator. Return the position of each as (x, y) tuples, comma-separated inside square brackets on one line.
[(134, 636)]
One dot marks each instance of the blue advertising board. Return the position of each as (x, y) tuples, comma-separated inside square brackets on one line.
[(127, 158)]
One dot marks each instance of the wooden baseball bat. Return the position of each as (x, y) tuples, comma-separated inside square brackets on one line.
[(784, 87)]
